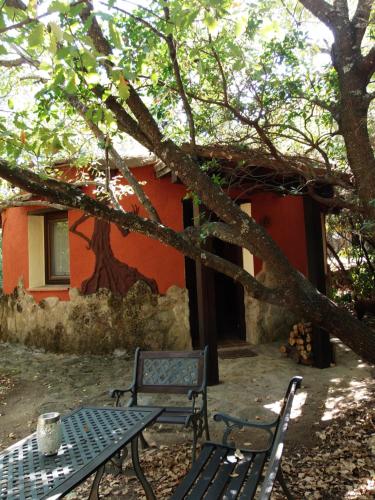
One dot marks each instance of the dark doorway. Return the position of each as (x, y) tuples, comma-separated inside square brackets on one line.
[(222, 317), (229, 297)]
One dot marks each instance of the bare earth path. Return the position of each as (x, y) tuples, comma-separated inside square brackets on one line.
[(250, 388)]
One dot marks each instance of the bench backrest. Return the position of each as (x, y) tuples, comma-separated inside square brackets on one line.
[(279, 438), (174, 372)]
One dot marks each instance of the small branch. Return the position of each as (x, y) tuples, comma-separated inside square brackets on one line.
[(115, 157), (221, 71), (28, 20), (139, 19), (339, 262), (171, 42)]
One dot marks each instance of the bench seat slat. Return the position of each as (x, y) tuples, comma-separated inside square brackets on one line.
[(253, 478), (204, 481), (193, 473), (236, 483), (222, 479)]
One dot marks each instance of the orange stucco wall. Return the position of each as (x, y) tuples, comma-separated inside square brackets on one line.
[(283, 217), (151, 258), (15, 248)]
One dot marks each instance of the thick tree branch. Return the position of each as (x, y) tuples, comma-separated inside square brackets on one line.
[(67, 195), (13, 63), (320, 9), (14, 203), (367, 64), (361, 19)]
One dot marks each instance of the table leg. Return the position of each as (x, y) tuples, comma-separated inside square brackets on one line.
[(138, 471), (94, 492)]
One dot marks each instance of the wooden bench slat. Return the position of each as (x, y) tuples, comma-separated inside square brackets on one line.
[(204, 481), (236, 483), (253, 479), (193, 473)]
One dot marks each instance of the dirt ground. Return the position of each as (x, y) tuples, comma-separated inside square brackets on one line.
[(33, 382), (250, 387)]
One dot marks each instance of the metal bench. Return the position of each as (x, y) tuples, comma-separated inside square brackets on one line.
[(224, 472), (172, 372)]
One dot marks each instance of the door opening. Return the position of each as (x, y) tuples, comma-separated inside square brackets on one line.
[(229, 298)]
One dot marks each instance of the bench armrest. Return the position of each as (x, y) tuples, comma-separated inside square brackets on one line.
[(239, 423), (233, 423), (194, 393), (118, 393)]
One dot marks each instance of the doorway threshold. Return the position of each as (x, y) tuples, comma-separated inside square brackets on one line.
[(235, 349)]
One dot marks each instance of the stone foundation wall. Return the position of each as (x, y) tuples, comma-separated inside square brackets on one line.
[(98, 323), (266, 322)]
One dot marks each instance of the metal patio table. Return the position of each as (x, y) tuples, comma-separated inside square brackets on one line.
[(91, 436)]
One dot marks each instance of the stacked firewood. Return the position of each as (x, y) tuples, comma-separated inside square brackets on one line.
[(299, 346)]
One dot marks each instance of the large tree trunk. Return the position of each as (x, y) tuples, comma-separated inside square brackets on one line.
[(353, 124)]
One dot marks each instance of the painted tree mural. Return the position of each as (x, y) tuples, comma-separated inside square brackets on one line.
[(109, 272)]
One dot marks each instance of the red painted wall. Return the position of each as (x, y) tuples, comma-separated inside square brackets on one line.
[(150, 257), (15, 248), (283, 217)]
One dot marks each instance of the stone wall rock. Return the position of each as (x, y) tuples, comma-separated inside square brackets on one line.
[(266, 322), (98, 323)]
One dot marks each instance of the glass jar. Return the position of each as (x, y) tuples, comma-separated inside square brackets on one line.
[(49, 433)]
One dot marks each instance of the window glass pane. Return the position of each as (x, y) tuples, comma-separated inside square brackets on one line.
[(59, 248)]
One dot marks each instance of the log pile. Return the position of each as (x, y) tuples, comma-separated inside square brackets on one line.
[(299, 346)]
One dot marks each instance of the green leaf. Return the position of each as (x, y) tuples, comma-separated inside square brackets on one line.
[(36, 36), (115, 36), (154, 78), (88, 59), (123, 88), (3, 50), (71, 86), (10, 104), (240, 26), (59, 6), (56, 30), (44, 66), (210, 22), (52, 44)]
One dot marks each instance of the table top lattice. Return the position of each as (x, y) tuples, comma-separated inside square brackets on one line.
[(90, 437)]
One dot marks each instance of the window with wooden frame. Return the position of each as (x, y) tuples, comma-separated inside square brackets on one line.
[(56, 241)]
